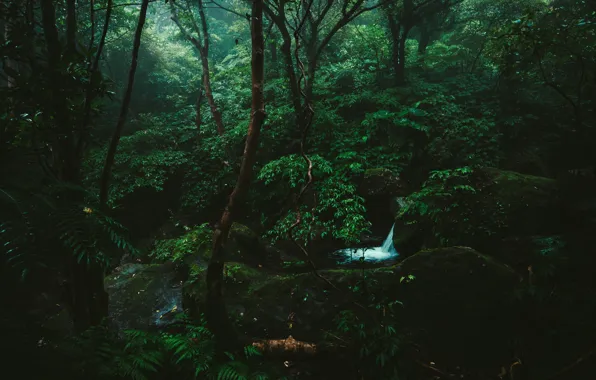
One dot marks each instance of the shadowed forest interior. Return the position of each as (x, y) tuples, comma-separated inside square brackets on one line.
[(298, 189)]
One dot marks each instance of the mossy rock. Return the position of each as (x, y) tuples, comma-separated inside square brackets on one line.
[(478, 209), (244, 245), (531, 200), (460, 304), (409, 238), (297, 304), (142, 296)]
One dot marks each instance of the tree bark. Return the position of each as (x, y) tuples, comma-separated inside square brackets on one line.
[(198, 118), (105, 176), (424, 39), (217, 317), (71, 27)]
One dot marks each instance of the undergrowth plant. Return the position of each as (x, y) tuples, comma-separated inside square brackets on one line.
[(188, 351), (335, 211), (374, 336)]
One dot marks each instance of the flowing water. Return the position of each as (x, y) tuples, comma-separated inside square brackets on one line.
[(385, 252)]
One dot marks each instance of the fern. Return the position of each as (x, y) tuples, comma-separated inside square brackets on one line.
[(40, 228)]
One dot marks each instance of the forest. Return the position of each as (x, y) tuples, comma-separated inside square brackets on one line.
[(298, 189)]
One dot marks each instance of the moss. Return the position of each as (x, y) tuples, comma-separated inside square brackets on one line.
[(513, 186), (194, 245), (245, 246), (241, 229)]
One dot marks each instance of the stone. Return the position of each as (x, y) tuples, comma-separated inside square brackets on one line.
[(460, 305), (143, 296), (500, 204)]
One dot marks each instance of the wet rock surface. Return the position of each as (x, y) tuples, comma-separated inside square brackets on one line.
[(143, 296)]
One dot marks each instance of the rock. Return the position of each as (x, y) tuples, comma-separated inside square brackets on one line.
[(478, 209), (409, 237), (143, 296), (459, 305), (530, 202), (244, 245)]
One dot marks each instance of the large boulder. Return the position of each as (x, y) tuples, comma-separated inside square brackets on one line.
[(244, 245), (477, 208), (143, 296), (459, 306)]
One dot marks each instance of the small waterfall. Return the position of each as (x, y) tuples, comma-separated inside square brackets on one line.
[(373, 254), (388, 243)]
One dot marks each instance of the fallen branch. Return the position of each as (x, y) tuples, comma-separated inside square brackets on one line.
[(286, 346)]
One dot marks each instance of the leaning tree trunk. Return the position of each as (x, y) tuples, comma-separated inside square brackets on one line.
[(217, 317), (105, 176)]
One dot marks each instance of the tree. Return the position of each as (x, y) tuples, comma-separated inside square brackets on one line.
[(201, 43), (402, 17), (323, 19), (217, 317), (105, 177)]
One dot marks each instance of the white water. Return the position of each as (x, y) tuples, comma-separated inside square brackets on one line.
[(374, 254)]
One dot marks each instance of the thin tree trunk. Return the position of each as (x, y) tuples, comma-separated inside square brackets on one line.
[(424, 39), (215, 113), (394, 29), (206, 74), (400, 69), (198, 118), (203, 49), (89, 96), (286, 51), (71, 27), (105, 176), (217, 317)]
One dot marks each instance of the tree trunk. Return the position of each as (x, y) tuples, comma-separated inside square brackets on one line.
[(71, 27), (286, 51), (400, 68), (209, 95), (279, 20), (217, 317), (89, 96), (198, 119), (206, 75), (394, 29), (424, 39), (105, 176)]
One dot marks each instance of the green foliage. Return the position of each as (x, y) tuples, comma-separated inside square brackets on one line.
[(195, 242), (451, 204), (147, 158), (338, 211), (46, 228), (138, 355), (374, 335)]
